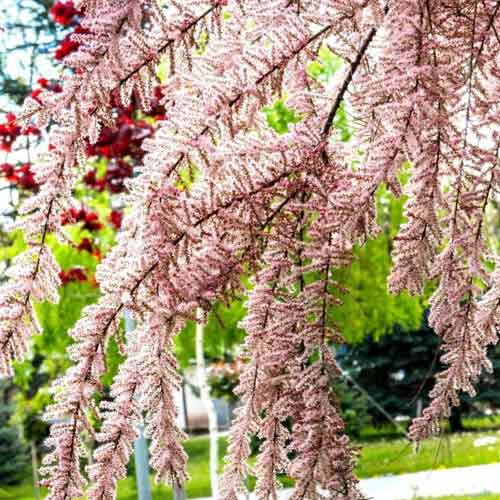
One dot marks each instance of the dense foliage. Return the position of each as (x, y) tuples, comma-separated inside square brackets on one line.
[(398, 372), (13, 452)]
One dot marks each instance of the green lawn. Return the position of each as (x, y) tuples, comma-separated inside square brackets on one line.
[(382, 453), (22, 492), (397, 456)]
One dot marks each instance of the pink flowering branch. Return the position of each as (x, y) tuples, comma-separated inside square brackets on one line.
[(455, 302), (118, 433), (223, 207)]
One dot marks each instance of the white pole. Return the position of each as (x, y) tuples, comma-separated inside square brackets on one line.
[(142, 466), (141, 455), (179, 493), (207, 402)]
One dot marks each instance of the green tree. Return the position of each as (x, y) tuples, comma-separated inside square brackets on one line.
[(13, 452), (355, 407), (368, 309), (222, 334), (398, 372)]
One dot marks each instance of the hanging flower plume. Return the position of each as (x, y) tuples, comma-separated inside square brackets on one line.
[(419, 79)]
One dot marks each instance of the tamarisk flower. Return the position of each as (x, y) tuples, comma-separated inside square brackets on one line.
[(118, 431), (207, 211), (255, 386), (160, 369), (461, 266), (17, 316)]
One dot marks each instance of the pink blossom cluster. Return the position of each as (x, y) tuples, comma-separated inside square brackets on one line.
[(420, 81)]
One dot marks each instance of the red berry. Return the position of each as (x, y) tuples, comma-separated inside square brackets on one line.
[(116, 218)]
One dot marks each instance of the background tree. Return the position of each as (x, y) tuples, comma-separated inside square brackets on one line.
[(398, 371), (13, 452)]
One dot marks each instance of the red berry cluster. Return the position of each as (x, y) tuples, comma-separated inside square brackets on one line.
[(90, 219), (10, 131), (125, 139), (68, 44), (86, 245), (20, 175), (122, 145), (90, 222), (90, 246), (45, 84), (115, 218), (157, 110), (72, 274), (64, 13), (114, 177)]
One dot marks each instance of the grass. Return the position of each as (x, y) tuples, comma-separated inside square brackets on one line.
[(19, 492), (383, 452), (198, 486), (482, 423), (397, 456)]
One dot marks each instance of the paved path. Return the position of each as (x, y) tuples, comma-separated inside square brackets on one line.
[(457, 481), (436, 483)]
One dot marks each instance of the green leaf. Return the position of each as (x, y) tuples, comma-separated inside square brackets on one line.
[(341, 124), (279, 116), (325, 66)]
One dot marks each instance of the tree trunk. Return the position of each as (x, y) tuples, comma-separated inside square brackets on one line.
[(456, 420), (141, 456), (208, 403)]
